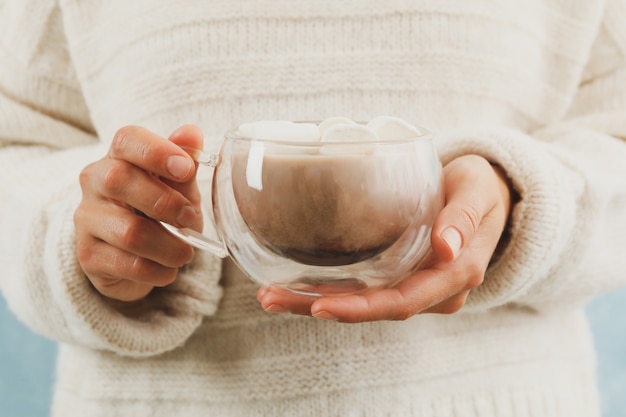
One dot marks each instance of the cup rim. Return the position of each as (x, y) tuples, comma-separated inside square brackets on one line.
[(232, 134)]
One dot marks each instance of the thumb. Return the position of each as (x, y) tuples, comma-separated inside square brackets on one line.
[(468, 201), (457, 225), (190, 136)]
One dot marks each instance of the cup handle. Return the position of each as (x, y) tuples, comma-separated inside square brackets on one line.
[(196, 239)]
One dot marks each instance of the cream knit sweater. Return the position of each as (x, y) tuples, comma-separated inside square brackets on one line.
[(538, 87)]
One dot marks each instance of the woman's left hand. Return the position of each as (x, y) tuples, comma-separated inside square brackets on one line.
[(464, 237)]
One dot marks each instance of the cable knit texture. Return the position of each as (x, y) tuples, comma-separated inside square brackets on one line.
[(537, 87)]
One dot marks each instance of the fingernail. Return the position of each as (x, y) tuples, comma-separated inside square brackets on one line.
[(453, 239), (324, 315), (186, 216), (261, 293), (179, 166), (193, 256), (276, 308)]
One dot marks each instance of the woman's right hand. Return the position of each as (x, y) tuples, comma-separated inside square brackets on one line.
[(121, 247)]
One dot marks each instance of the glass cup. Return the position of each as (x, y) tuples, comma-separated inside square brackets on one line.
[(322, 218)]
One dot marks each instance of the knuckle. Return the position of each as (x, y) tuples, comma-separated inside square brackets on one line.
[(404, 314), (79, 218), (140, 267), (132, 235), (102, 281), (84, 177), (165, 204), (121, 139), (84, 253), (132, 140), (182, 255), (166, 278), (145, 270), (475, 276), (453, 306), (115, 178), (471, 218), (104, 284)]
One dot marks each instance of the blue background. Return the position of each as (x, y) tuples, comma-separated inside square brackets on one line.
[(27, 361)]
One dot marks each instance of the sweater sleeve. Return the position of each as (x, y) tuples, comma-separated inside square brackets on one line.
[(567, 232), (46, 138)]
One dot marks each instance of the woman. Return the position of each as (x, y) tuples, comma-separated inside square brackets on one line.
[(527, 103)]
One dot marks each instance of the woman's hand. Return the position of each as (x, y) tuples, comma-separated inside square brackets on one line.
[(464, 238), (122, 249)]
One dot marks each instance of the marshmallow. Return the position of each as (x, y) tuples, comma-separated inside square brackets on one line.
[(284, 130), (393, 128), (333, 129), (338, 136), (334, 121), (349, 133)]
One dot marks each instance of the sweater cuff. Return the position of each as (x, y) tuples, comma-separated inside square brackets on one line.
[(158, 323), (540, 221)]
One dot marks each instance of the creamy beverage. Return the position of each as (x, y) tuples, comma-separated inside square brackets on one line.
[(329, 210)]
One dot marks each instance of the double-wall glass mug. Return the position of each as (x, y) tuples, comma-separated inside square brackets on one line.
[(322, 218)]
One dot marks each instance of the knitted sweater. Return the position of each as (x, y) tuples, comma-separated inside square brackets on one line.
[(538, 87)]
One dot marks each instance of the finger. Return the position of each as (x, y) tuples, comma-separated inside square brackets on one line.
[(118, 274), (471, 193), (413, 295), (420, 292), (450, 306), (443, 288), (123, 182), (276, 300), (424, 292), (134, 234), (190, 136), (152, 153)]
